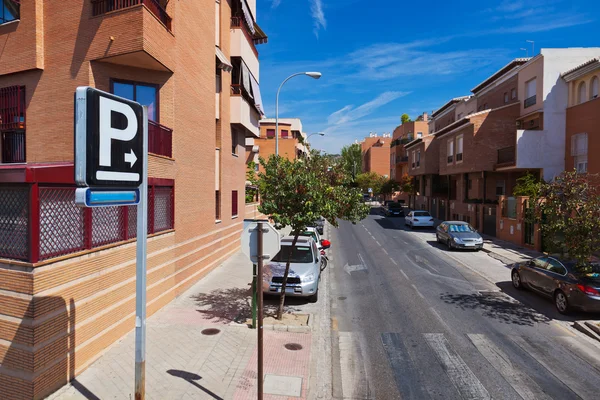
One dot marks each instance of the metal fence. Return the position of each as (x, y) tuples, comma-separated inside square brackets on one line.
[(64, 228)]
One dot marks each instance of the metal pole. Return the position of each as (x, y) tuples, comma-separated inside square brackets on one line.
[(140, 273), (259, 281), (277, 110), (254, 289)]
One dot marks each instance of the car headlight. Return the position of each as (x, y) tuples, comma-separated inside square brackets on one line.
[(309, 278), (457, 240)]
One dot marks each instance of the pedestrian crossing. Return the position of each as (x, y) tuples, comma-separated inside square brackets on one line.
[(474, 366)]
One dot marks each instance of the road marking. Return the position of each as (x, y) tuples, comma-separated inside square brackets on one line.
[(419, 293), (392, 260), (406, 374), (517, 378), (355, 384), (564, 328), (385, 251), (406, 276), (542, 355), (439, 317), (457, 370), (578, 347), (378, 244), (334, 324)]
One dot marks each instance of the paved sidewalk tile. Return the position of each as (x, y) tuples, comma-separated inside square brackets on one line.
[(183, 363)]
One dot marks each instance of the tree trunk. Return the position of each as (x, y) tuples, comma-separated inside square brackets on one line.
[(285, 276)]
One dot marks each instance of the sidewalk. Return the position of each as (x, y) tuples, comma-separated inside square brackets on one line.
[(196, 349)]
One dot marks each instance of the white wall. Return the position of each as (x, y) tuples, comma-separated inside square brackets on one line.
[(244, 114), (546, 149), (241, 48)]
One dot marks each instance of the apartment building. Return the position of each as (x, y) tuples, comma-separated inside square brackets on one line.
[(67, 287), (376, 154), (582, 139), (292, 141), (403, 134)]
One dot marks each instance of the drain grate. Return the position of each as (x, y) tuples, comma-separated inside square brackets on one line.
[(293, 346), (210, 331)]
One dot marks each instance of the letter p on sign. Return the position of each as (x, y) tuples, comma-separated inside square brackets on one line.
[(108, 133)]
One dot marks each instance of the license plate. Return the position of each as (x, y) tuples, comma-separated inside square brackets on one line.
[(469, 244)]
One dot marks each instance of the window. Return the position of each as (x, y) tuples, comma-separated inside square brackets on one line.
[(10, 11), (594, 88), (540, 262), (460, 115), (505, 97), (555, 266), (530, 92), (459, 148), (419, 135), (144, 93), (450, 149), (414, 159), (470, 184), (234, 203), (285, 134), (418, 158), (12, 124), (256, 166), (579, 151), (217, 205), (270, 133), (513, 93), (234, 141), (581, 93), (500, 187), (218, 79)]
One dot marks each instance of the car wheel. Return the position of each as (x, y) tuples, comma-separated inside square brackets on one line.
[(449, 244), (437, 238), (314, 298), (516, 280), (561, 302)]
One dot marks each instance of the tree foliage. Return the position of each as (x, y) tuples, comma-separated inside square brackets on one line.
[(296, 193), (370, 180), (528, 185), (405, 118), (389, 187), (568, 211), (406, 184), (352, 159)]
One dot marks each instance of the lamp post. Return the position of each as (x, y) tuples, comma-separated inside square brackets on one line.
[(314, 75), (316, 133)]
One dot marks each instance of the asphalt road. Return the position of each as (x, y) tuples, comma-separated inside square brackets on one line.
[(412, 321)]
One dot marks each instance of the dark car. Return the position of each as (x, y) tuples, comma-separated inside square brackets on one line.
[(394, 210), (458, 235), (570, 286)]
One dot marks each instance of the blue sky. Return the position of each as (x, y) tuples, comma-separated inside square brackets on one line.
[(381, 59)]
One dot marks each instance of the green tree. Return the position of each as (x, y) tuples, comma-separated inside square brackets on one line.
[(528, 185), (568, 211), (370, 180), (405, 118), (351, 159), (406, 184), (296, 192), (389, 187)]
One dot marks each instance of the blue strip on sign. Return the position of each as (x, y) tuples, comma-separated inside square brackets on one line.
[(113, 197)]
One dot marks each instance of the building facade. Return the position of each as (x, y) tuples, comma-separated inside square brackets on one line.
[(68, 274), (403, 134), (376, 154), (291, 141)]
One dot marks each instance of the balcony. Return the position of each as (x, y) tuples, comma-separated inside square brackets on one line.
[(160, 139), (135, 33), (13, 147), (530, 101), (243, 111), (103, 6), (406, 140), (242, 45), (506, 156), (401, 159)]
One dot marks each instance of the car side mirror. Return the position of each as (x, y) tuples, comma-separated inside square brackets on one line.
[(325, 244)]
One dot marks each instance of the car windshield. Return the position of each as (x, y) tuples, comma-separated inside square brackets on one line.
[(300, 254), (460, 228), (310, 234), (422, 214)]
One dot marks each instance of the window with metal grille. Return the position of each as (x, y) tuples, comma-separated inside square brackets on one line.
[(579, 151), (217, 205), (459, 148), (234, 203), (14, 222), (10, 11), (12, 124)]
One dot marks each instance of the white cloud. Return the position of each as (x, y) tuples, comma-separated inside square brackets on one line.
[(275, 3), (349, 113), (316, 10)]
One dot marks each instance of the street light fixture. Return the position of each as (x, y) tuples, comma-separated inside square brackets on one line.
[(314, 75), (308, 137)]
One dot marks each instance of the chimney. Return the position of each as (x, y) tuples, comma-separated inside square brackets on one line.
[(425, 117)]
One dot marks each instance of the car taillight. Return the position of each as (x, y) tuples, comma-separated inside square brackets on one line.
[(431, 220), (588, 290)]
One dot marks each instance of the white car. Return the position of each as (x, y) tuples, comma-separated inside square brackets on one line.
[(418, 218), (313, 233)]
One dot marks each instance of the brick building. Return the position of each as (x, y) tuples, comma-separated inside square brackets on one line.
[(403, 134), (376, 154), (67, 275), (291, 140)]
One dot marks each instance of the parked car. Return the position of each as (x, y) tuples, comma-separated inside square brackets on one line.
[(313, 233), (418, 218), (305, 269), (319, 224), (570, 287), (458, 235), (394, 210)]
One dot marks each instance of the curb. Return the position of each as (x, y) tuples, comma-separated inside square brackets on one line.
[(586, 330)]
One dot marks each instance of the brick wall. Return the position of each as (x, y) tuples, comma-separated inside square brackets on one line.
[(584, 118), (378, 160)]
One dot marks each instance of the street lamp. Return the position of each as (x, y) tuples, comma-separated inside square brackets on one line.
[(316, 133), (314, 75)]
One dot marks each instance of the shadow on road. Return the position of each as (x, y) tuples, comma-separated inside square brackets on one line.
[(497, 306), (235, 304)]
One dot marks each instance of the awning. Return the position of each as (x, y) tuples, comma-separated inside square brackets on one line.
[(259, 37), (257, 96), (248, 16), (246, 78), (225, 64)]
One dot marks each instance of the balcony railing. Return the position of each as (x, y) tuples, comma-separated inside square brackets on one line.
[(406, 140), (401, 159), (530, 101), (13, 147), (103, 6), (506, 155), (160, 139), (459, 157)]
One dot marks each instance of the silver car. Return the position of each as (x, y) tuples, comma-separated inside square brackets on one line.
[(305, 269), (458, 235)]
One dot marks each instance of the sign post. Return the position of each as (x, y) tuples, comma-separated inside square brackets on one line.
[(110, 134), (260, 310)]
